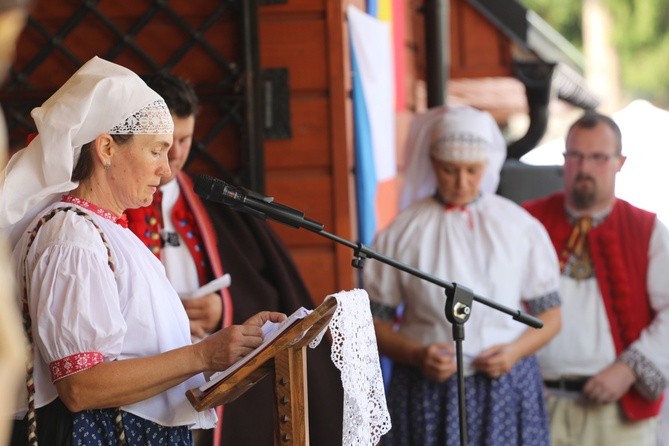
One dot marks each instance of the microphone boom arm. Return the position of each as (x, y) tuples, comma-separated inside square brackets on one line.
[(264, 207), (362, 252)]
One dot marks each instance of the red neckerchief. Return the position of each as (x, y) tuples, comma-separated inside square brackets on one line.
[(450, 207)]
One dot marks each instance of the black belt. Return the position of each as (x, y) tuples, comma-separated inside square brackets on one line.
[(568, 384)]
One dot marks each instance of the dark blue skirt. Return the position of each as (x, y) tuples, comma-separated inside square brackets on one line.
[(57, 426), (96, 427), (500, 412)]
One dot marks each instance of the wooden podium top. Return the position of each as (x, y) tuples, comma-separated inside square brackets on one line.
[(296, 336)]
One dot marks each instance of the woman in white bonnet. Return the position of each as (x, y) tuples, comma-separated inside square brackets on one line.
[(454, 227), (111, 350)]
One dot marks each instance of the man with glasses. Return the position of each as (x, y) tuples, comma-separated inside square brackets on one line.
[(607, 369)]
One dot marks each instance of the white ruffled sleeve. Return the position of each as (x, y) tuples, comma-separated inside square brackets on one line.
[(543, 271), (74, 303)]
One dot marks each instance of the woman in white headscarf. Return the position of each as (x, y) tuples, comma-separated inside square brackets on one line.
[(454, 227), (111, 350)]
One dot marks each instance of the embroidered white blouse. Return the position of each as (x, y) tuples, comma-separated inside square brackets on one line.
[(492, 246), (83, 313)]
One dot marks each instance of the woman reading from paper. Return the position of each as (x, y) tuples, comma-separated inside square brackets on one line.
[(112, 356), (455, 228)]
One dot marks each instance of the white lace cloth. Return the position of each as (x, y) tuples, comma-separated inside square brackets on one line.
[(355, 354)]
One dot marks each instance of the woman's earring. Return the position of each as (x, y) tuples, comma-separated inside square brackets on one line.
[(107, 165)]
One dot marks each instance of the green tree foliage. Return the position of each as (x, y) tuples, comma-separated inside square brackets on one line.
[(641, 37), (563, 15)]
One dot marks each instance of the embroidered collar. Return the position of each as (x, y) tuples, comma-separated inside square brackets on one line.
[(450, 206), (596, 219), (122, 220)]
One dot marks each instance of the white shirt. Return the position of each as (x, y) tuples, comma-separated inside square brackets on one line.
[(494, 247), (78, 305), (178, 261)]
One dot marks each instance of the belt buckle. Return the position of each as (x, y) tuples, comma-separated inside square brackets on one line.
[(572, 383), (563, 383), (568, 383)]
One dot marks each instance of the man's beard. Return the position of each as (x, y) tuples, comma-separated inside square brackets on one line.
[(583, 197)]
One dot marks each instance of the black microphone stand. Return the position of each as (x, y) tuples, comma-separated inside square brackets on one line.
[(459, 299), (458, 308)]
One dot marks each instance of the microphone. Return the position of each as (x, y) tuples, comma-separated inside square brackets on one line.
[(251, 202)]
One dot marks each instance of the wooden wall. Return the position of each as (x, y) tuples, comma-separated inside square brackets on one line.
[(313, 170), (478, 48), (310, 37)]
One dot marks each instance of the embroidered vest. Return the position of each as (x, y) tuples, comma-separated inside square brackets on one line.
[(619, 251), (194, 225)]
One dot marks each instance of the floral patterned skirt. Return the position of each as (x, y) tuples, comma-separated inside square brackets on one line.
[(506, 411), (96, 427), (57, 426)]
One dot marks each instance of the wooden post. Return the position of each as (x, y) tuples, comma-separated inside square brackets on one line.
[(291, 403)]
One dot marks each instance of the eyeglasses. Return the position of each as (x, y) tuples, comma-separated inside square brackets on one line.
[(597, 158)]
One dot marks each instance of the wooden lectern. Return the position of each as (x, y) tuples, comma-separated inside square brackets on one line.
[(286, 357)]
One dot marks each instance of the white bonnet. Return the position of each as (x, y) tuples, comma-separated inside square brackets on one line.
[(101, 97), (451, 133)]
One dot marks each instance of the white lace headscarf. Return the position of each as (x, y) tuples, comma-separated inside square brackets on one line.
[(101, 97), (451, 133)]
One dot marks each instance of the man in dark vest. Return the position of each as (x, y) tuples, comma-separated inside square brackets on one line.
[(198, 241), (607, 369)]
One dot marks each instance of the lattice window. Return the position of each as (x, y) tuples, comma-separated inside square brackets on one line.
[(213, 43)]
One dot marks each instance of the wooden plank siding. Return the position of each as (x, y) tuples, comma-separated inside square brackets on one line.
[(312, 171), (478, 49)]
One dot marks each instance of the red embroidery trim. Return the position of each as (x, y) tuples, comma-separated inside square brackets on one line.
[(73, 364), (455, 207), (104, 213), (625, 315), (448, 207), (147, 224), (183, 220)]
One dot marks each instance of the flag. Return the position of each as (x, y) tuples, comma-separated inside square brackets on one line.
[(374, 108), (373, 113), (392, 12)]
